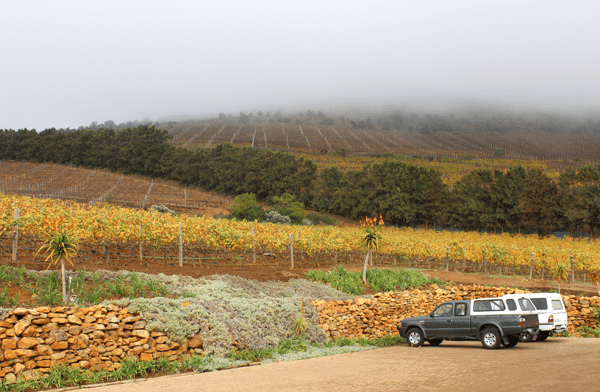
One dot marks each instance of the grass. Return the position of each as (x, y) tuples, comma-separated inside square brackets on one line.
[(64, 376), (588, 332), (377, 279), (45, 287)]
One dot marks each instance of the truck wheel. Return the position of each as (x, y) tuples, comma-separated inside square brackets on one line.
[(490, 338), (512, 341), (414, 337), (435, 342), (542, 336)]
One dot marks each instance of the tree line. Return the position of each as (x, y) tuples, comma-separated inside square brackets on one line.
[(518, 200)]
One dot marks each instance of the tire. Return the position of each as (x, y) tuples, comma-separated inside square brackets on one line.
[(527, 338), (414, 337), (543, 335), (512, 341), (490, 338), (435, 342)]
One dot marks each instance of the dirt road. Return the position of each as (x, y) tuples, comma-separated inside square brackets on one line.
[(559, 363)]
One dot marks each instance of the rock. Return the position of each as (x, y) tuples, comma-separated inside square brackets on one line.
[(195, 342), (9, 344), (19, 367), (21, 325), (10, 378), (140, 333), (27, 342), (146, 357)]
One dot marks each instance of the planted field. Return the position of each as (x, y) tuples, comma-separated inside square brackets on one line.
[(92, 186), (315, 138), (116, 235)]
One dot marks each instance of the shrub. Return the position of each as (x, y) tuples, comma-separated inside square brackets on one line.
[(275, 217), (287, 205), (246, 207)]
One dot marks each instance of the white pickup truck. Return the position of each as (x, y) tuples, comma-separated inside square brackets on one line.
[(551, 312)]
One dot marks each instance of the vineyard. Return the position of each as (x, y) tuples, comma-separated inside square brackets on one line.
[(119, 236), (452, 153), (93, 186)]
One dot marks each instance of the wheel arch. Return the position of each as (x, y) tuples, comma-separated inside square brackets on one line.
[(419, 328), (490, 325)]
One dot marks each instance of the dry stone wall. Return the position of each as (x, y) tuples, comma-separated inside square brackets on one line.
[(96, 338), (378, 317)]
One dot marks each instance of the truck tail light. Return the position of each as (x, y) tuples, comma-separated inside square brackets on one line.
[(521, 321), (551, 319)]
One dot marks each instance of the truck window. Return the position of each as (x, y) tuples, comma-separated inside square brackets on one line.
[(512, 305), (486, 305), (540, 303), (557, 304), (460, 310), (444, 310), (526, 305)]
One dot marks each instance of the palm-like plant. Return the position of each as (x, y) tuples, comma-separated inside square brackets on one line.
[(560, 271), (595, 277), (59, 245), (371, 240)]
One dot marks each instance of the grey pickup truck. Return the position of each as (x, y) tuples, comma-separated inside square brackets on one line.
[(494, 321)]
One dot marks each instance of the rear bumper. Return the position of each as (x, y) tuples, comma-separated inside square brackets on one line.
[(559, 329), (529, 331)]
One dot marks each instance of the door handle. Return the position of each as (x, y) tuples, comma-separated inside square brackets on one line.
[(448, 321)]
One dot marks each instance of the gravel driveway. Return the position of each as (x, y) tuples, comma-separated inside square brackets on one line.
[(559, 363)]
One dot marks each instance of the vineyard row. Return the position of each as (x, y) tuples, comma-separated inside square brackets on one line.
[(112, 225)]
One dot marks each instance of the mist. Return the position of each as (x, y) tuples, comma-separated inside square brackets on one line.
[(70, 63)]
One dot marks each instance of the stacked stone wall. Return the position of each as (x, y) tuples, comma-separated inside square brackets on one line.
[(96, 338), (378, 317)]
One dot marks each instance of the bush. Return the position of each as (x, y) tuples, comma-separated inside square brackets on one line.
[(318, 219), (246, 207), (287, 205), (275, 217)]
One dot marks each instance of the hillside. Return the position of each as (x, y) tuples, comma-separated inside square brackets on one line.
[(557, 151)]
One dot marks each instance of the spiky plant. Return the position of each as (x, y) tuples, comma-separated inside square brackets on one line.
[(370, 240), (560, 271), (59, 246)]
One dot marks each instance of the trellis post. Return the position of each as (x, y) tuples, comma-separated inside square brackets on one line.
[(292, 249), (141, 246), (484, 263), (447, 258), (180, 245), (16, 236), (531, 265), (253, 247)]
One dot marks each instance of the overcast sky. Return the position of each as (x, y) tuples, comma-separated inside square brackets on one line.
[(68, 63)]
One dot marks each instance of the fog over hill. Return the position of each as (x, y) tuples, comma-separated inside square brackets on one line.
[(66, 63)]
